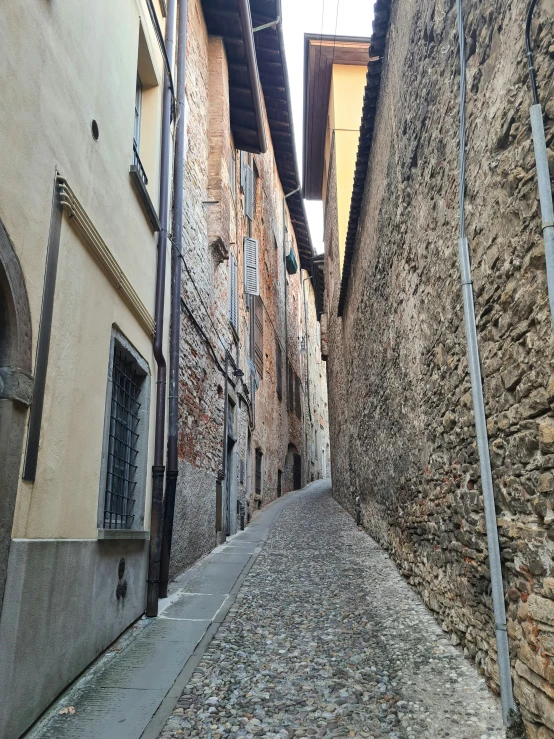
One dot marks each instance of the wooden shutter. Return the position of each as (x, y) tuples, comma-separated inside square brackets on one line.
[(251, 269), (259, 336), (279, 363), (233, 298), (249, 191)]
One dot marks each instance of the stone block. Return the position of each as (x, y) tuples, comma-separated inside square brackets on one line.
[(541, 609), (546, 436)]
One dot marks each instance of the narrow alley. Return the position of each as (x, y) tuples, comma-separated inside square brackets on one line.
[(277, 369), (327, 639)]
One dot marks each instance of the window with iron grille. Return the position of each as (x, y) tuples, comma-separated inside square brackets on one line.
[(290, 393), (136, 132), (249, 191), (297, 389), (123, 479), (259, 335), (233, 292), (279, 365)]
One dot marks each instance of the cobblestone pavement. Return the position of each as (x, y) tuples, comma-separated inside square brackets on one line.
[(327, 639)]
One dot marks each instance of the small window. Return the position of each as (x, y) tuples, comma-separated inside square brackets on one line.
[(297, 393), (290, 394), (233, 292), (138, 113), (279, 365), (249, 185), (243, 165), (259, 335), (233, 173), (231, 430), (136, 132), (279, 483), (126, 443)]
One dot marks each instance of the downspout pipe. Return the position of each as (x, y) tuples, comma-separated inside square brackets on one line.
[(499, 608), (175, 326), (158, 468), (543, 173)]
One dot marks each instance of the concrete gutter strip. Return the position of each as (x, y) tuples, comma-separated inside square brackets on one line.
[(166, 650)]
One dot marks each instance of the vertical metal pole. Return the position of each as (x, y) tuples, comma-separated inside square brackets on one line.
[(499, 608), (175, 325), (158, 468)]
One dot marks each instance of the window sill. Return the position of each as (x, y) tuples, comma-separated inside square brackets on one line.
[(117, 534), (144, 197)]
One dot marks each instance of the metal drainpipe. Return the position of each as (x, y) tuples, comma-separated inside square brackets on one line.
[(543, 172), (158, 468), (175, 327), (499, 608)]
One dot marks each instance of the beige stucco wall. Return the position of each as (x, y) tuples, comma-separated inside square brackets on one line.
[(75, 67), (344, 117)]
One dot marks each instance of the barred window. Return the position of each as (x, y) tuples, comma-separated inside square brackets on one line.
[(298, 390), (279, 363), (125, 443), (259, 335), (233, 292), (290, 389)]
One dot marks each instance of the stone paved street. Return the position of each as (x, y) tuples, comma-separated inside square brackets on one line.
[(327, 639)]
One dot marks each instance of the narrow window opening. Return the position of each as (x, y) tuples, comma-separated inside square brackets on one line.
[(259, 457), (123, 447)]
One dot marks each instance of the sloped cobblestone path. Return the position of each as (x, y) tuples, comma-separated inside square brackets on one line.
[(327, 639)]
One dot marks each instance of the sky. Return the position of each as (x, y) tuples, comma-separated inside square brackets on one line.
[(343, 17)]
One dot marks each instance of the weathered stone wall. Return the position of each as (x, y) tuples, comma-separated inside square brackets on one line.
[(401, 412), (318, 410)]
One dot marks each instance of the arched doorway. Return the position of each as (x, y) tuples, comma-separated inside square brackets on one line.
[(293, 469), (16, 387)]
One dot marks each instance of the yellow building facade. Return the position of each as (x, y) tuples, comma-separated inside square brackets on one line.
[(334, 82)]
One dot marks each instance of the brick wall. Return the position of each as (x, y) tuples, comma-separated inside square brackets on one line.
[(401, 412), (215, 226)]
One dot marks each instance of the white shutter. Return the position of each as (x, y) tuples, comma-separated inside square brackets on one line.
[(251, 270), (233, 302), (249, 191)]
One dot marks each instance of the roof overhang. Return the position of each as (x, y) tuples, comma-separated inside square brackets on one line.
[(272, 65), (320, 54), (230, 19)]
